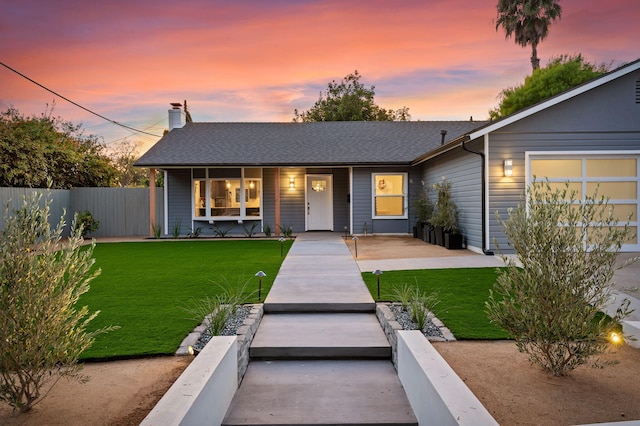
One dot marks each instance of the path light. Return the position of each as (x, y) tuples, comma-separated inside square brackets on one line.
[(260, 274), (615, 338), (345, 232), (282, 240), (355, 241), (377, 273)]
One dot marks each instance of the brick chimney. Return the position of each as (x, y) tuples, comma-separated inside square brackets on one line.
[(175, 116)]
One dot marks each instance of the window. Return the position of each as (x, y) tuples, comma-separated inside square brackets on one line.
[(234, 196), (389, 195), (615, 177)]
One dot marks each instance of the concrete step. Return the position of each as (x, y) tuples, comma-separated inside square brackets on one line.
[(320, 336), (319, 293), (320, 393)]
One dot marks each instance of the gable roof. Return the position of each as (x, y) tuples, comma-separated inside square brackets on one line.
[(301, 144), (492, 126), (554, 100)]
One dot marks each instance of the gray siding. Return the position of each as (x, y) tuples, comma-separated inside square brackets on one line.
[(463, 170), (341, 199), (178, 184), (269, 199), (603, 119), (292, 209), (362, 204)]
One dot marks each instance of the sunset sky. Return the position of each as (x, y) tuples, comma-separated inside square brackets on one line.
[(259, 60)]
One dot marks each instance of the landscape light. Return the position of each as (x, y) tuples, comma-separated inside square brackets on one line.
[(260, 274)]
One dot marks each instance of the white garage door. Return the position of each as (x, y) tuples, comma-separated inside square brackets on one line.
[(616, 175)]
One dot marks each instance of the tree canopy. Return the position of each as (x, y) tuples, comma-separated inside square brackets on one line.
[(562, 73), (349, 100), (528, 22), (38, 148)]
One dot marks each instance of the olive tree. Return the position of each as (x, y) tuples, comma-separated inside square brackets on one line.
[(42, 329), (552, 302)]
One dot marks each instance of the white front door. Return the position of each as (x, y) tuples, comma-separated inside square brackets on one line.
[(319, 199)]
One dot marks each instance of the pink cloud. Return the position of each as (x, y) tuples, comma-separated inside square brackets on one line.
[(256, 60)]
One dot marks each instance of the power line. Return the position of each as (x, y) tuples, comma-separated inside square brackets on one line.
[(76, 104)]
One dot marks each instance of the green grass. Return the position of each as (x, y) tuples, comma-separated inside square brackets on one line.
[(144, 287), (462, 294)]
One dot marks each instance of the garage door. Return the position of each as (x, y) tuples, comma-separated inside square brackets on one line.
[(616, 175)]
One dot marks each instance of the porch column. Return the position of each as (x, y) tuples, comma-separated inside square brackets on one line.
[(277, 199), (152, 200)]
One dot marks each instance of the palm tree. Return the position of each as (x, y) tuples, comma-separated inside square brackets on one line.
[(528, 21)]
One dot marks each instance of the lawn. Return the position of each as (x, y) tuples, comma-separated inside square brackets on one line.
[(144, 288), (462, 294)]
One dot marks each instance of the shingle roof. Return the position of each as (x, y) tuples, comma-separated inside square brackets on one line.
[(301, 144)]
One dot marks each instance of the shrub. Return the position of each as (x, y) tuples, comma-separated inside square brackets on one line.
[(551, 305), (214, 312), (415, 301), (42, 330), (177, 228), (85, 223), (250, 231)]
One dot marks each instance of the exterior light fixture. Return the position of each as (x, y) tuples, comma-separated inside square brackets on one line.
[(377, 273), (345, 232), (282, 240), (508, 167), (292, 182), (615, 338), (355, 242), (260, 274)]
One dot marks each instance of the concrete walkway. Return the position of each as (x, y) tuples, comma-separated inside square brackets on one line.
[(319, 355)]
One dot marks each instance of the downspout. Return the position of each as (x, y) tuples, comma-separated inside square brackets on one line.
[(483, 193)]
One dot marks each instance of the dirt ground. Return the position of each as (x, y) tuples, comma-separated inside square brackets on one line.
[(514, 392)]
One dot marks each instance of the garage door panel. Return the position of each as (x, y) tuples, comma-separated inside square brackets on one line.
[(615, 176), (614, 190), (612, 167)]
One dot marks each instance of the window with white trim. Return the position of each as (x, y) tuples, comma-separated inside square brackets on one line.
[(227, 194), (389, 195)]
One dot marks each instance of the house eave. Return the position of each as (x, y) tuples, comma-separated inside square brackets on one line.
[(275, 165), (453, 144)]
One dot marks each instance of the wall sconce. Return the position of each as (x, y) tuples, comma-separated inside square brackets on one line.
[(292, 182), (508, 167)]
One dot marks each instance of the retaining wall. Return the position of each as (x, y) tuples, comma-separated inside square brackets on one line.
[(436, 393), (203, 392)]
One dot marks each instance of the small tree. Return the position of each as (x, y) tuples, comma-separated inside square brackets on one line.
[(552, 304), (42, 330), (445, 213), (349, 100), (561, 73)]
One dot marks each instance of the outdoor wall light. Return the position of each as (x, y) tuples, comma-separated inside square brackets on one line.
[(508, 167), (292, 182)]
